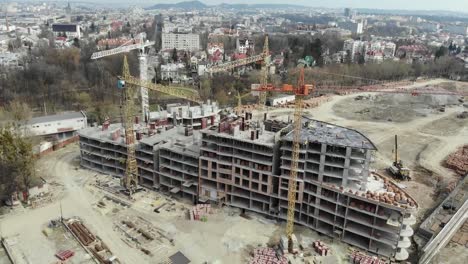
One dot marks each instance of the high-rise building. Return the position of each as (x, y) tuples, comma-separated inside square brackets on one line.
[(189, 42), (347, 12)]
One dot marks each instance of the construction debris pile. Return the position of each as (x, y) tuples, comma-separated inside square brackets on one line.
[(200, 212), (266, 256), (458, 161), (89, 241), (321, 248), (361, 258)]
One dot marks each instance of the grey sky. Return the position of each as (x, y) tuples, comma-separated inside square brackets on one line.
[(453, 5)]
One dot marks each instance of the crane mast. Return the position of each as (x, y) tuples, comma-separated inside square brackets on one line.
[(300, 91), (264, 77), (130, 180), (127, 83)]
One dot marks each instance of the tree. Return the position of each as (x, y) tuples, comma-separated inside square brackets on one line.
[(316, 51), (76, 42), (442, 51), (348, 58), (128, 23), (16, 156), (175, 58), (205, 88), (92, 27), (361, 59)]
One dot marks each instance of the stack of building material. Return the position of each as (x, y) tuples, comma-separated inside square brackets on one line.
[(361, 258), (83, 234), (458, 161), (321, 248), (114, 135), (284, 244), (200, 212), (266, 256)]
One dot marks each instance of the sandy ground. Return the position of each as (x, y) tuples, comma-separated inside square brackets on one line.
[(453, 253)]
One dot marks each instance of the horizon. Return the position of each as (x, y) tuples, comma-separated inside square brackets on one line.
[(460, 6)]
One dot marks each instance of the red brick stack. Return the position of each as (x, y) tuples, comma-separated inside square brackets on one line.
[(321, 248), (361, 258), (200, 211), (266, 256)]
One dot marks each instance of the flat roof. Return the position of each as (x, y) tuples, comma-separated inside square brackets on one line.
[(56, 117), (323, 132), (266, 138)]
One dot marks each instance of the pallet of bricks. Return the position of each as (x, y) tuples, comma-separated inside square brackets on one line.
[(361, 258), (200, 212), (321, 248), (266, 256)]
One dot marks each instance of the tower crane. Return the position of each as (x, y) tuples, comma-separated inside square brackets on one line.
[(224, 67), (300, 91), (125, 82), (143, 61)]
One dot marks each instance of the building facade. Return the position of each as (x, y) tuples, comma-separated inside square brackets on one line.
[(246, 164), (189, 42)]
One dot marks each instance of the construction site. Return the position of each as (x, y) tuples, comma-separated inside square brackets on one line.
[(321, 179)]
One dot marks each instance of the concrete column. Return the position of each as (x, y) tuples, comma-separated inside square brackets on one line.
[(322, 162), (346, 166)]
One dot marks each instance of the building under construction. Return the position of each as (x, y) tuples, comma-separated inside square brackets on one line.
[(245, 164)]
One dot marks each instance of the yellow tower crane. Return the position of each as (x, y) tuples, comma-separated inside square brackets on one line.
[(300, 91), (127, 83)]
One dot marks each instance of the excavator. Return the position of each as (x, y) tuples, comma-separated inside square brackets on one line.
[(397, 169)]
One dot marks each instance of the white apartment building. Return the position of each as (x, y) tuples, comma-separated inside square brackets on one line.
[(190, 42), (384, 49)]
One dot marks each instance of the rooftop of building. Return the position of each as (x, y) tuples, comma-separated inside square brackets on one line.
[(173, 138), (323, 132), (233, 131), (56, 117)]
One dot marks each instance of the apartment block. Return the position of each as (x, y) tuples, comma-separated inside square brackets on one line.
[(188, 42), (246, 164)]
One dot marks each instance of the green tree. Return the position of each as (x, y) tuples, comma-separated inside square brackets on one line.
[(16, 156), (205, 88), (442, 51), (348, 58), (175, 58), (92, 27), (361, 59)]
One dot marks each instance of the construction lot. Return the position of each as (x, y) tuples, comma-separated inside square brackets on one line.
[(135, 233)]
